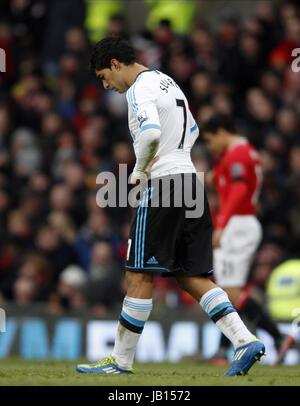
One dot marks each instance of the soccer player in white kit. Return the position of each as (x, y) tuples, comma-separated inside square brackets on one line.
[(163, 240)]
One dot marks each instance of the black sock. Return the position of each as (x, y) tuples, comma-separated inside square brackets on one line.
[(224, 342), (255, 313)]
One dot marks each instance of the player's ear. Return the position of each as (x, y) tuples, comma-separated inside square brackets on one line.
[(115, 64), (221, 132)]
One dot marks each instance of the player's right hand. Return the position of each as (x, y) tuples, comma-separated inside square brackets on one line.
[(209, 179), (216, 238)]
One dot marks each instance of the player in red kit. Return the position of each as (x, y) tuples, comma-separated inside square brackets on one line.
[(237, 178)]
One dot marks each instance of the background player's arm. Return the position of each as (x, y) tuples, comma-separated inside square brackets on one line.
[(237, 192), (238, 189), (210, 179)]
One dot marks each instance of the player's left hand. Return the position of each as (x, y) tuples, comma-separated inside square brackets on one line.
[(216, 238)]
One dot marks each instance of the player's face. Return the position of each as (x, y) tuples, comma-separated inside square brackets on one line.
[(215, 142), (112, 79)]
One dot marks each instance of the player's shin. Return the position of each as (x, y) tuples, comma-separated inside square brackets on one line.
[(135, 313), (217, 305)]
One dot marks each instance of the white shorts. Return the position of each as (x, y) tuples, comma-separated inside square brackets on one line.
[(232, 260)]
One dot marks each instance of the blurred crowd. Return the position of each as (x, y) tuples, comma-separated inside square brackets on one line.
[(59, 130)]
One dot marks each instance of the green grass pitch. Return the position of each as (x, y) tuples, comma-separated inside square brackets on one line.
[(14, 371)]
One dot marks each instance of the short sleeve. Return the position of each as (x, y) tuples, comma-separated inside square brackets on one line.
[(237, 170)]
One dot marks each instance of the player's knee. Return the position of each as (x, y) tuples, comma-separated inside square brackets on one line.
[(186, 284), (139, 284)]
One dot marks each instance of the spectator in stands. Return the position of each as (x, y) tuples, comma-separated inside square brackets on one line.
[(59, 130)]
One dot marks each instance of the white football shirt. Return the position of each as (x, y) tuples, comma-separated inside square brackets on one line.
[(155, 101)]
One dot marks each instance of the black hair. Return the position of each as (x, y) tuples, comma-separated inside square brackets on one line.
[(217, 122), (111, 48)]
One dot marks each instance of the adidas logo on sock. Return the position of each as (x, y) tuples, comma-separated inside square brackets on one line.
[(152, 260)]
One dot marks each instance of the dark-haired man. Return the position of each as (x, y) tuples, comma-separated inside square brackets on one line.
[(163, 240), (237, 234)]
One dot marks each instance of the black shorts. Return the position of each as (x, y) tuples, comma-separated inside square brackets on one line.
[(163, 239)]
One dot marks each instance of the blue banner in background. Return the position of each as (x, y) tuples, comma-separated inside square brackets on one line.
[(71, 338)]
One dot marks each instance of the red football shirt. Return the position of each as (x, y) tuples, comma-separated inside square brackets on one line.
[(238, 178)]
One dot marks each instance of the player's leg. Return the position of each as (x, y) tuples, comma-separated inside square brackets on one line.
[(194, 253), (245, 307), (254, 312), (215, 302), (137, 306), (232, 262), (195, 256), (220, 358), (136, 309), (232, 259), (147, 254)]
